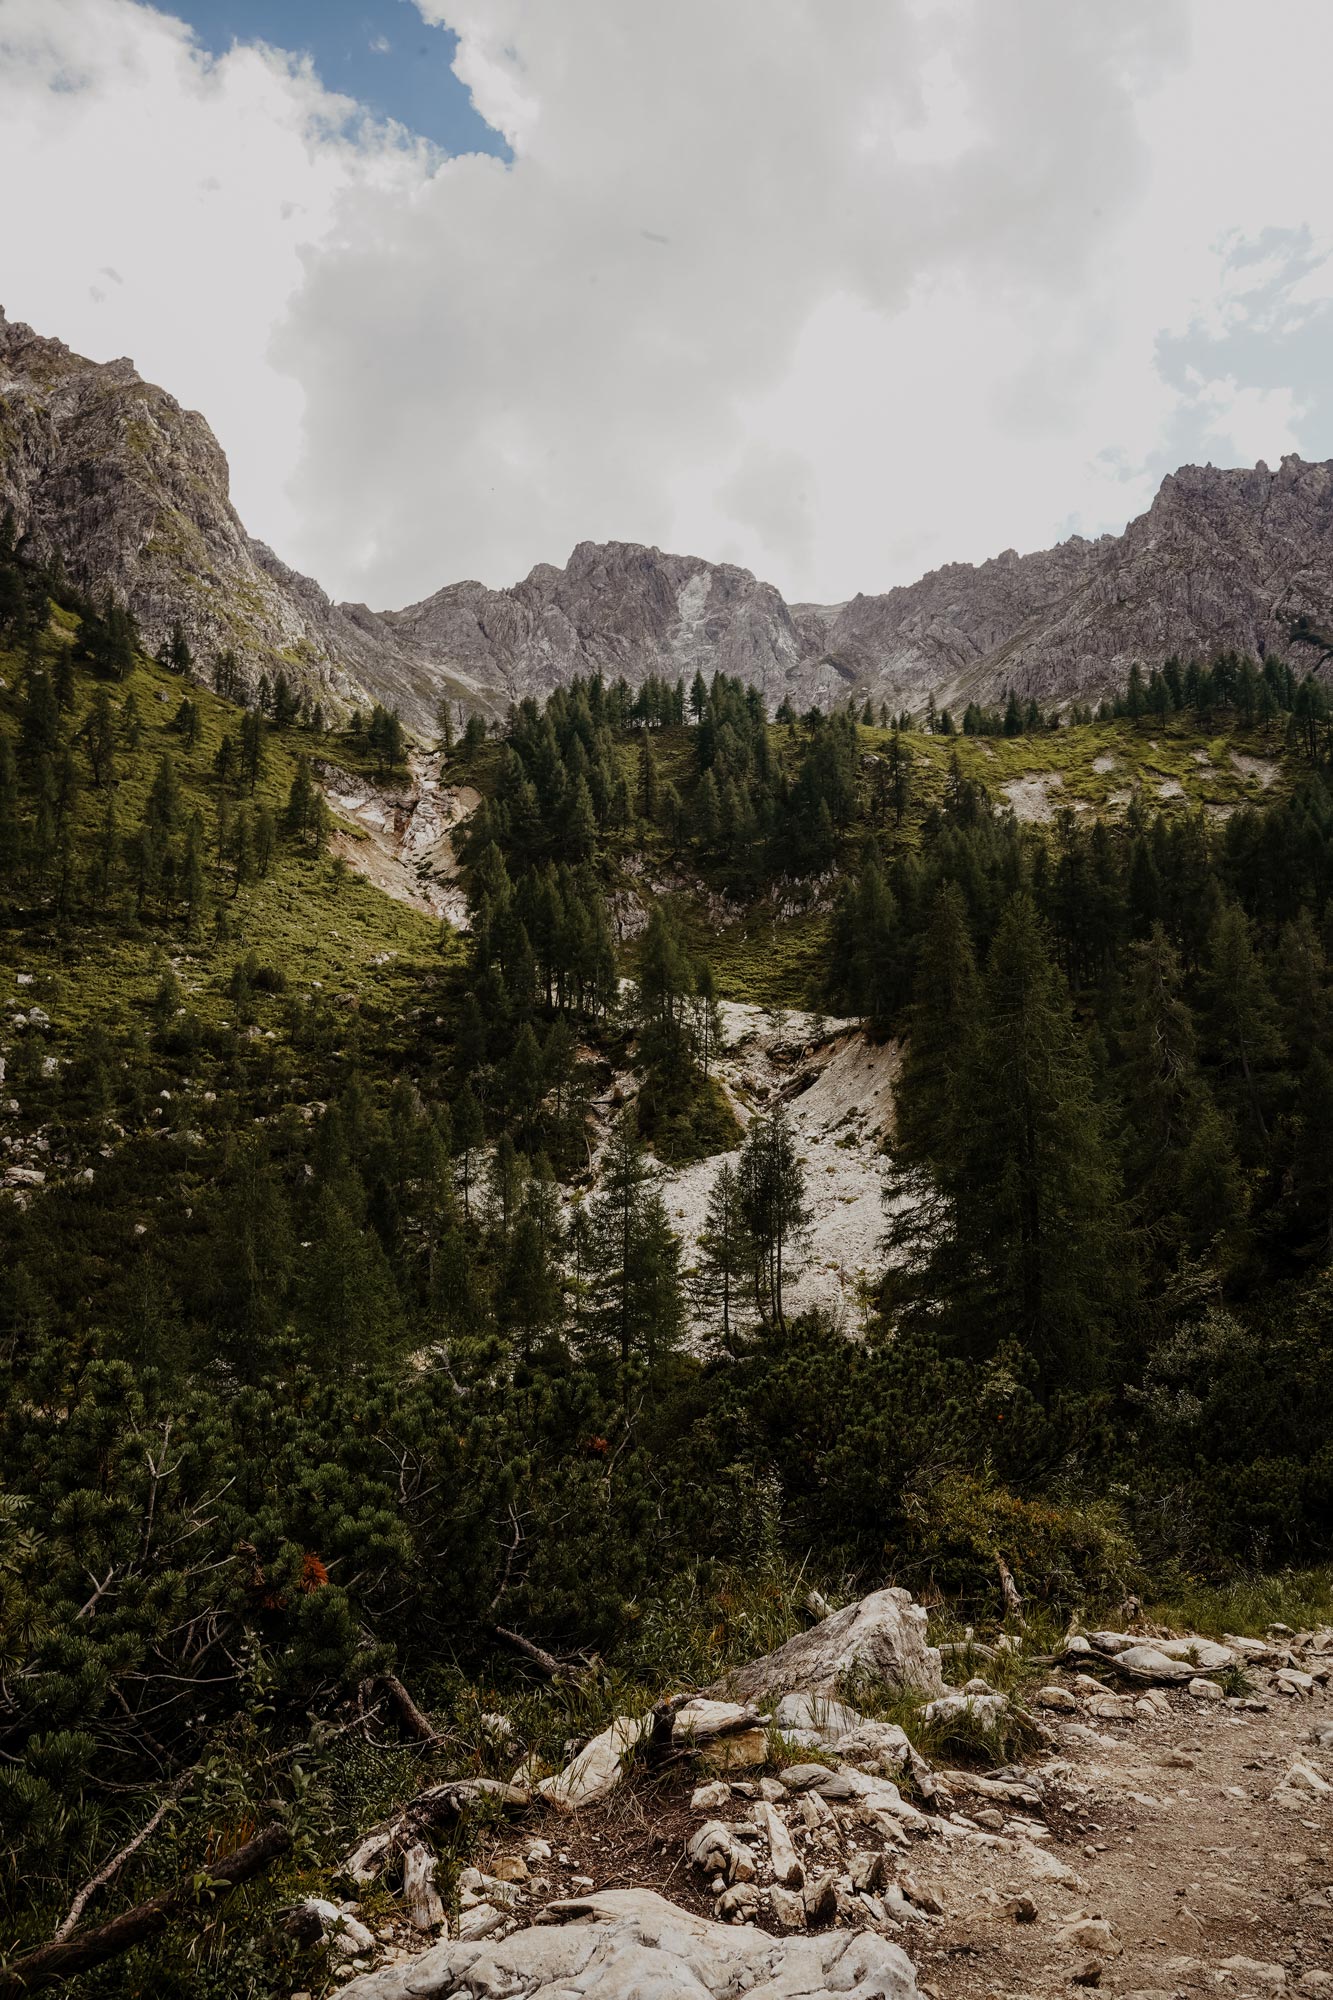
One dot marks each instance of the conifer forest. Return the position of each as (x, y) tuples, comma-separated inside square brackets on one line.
[(370, 1420)]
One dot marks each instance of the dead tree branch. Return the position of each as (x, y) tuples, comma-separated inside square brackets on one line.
[(71, 1955)]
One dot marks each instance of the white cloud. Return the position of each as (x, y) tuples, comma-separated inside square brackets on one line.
[(194, 187), (841, 293)]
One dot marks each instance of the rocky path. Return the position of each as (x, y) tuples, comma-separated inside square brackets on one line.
[(1162, 1842), (1198, 1869)]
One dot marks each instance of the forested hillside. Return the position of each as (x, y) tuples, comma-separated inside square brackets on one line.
[(350, 1392)]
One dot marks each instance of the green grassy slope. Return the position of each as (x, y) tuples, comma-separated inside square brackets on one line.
[(305, 917), (773, 954)]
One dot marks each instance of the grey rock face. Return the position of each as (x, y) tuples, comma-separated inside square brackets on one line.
[(1220, 560), (615, 608), (630, 1942), (883, 1634), (133, 491)]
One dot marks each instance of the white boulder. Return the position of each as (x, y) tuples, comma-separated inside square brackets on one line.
[(882, 1635), (625, 1943)]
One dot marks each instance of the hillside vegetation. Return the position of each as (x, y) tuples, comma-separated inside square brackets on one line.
[(341, 1313)]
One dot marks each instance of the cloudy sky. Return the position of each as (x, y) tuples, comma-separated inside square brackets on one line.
[(837, 289)]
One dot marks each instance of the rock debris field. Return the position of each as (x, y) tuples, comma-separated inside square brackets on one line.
[(1161, 1837), (838, 1087)]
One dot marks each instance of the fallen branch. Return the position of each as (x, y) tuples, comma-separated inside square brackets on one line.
[(413, 1719), (977, 1647), (72, 1955), (545, 1663), (117, 1862), (438, 1806)]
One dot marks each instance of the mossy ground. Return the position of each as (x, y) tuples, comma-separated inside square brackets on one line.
[(1167, 766), (310, 919), (1144, 757)]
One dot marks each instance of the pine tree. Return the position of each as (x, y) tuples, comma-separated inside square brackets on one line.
[(1036, 1248), (254, 748), (444, 725), (525, 1084), (1239, 1014), (637, 1287), (647, 782), (900, 777), (1181, 1164), (773, 1207), (580, 834), (300, 807), (709, 1037), (99, 740), (266, 839), (941, 1025), (194, 881), (725, 1257), (349, 1302)]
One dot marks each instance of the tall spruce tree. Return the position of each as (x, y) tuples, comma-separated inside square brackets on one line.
[(723, 1273), (638, 1309), (773, 1207), (1028, 1240)]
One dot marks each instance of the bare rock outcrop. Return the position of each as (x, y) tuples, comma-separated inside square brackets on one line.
[(882, 1635), (628, 1942), (132, 491)]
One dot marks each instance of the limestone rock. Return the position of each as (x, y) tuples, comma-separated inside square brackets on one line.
[(1091, 1934), (481, 1921), (818, 1715), (821, 1899), (1108, 1707), (699, 1721), (883, 1635), (598, 1768), (1150, 1663), (738, 1904), (985, 1709), (783, 1858), (1304, 1778), (1256, 1971), (629, 1942), (323, 1921), (822, 1721), (715, 1850), (713, 1797), (788, 1908), (745, 1749)]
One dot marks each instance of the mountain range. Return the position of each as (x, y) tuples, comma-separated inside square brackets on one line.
[(132, 492)]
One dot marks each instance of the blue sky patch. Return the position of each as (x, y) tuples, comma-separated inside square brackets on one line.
[(380, 52)]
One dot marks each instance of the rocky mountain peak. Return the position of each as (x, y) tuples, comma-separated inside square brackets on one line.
[(134, 493)]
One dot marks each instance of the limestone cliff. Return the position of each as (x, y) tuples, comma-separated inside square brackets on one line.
[(132, 490)]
